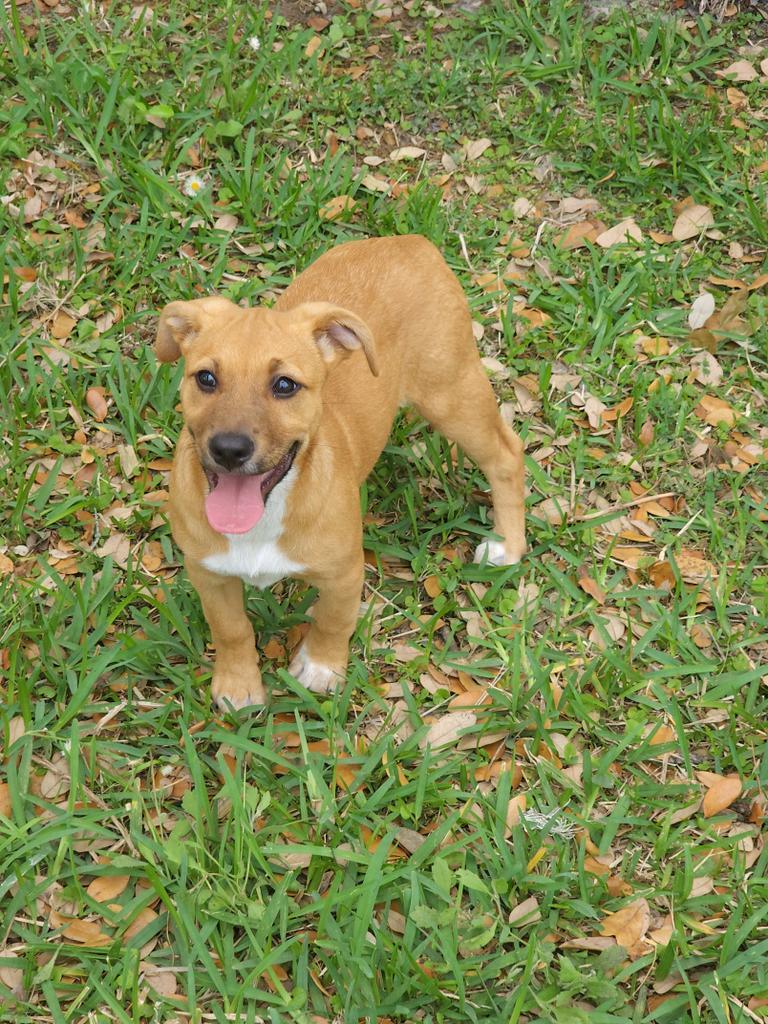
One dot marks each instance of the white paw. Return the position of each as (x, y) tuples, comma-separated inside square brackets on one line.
[(315, 676), (493, 552), (230, 694)]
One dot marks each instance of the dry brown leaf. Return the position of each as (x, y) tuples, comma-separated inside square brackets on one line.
[(407, 153), (62, 326), (721, 794), (5, 800), (94, 399), (374, 184), (705, 369), (475, 149), (645, 437), (142, 919), (312, 46), (129, 462), (715, 411), (592, 587), (162, 979), (448, 729), (594, 943), (334, 208), (739, 71), (553, 510), (12, 977), (654, 345), (702, 309), (595, 410), (630, 924), (107, 887), (405, 653), (523, 207), (625, 231), (6, 565), (610, 626), (87, 933), (433, 586), (692, 221), (525, 913), (663, 934), (515, 808), (226, 222), (577, 235)]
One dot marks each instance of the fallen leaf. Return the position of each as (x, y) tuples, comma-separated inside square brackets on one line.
[(475, 149), (706, 369), (739, 71), (523, 207), (162, 979), (594, 409), (107, 887), (5, 800), (312, 46), (721, 794), (701, 310), (515, 808), (447, 730), (692, 221), (577, 235), (407, 153), (12, 977), (645, 437), (715, 411), (62, 326), (628, 925), (525, 913), (129, 461), (625, 231), (593, 588), (96, 402), (227, 222), (374, 184), (334, 208), (142, 919), (87, 933)]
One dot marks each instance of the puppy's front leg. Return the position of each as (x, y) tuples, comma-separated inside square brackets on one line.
[(236, 675), (320, 663)]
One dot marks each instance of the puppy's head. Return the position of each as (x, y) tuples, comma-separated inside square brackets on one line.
[(251, 394)]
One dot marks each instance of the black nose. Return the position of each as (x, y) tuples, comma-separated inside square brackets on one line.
[(230, 450)]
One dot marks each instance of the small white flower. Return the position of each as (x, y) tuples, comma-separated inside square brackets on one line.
[(255, 43), (194, 185), (559, 825)]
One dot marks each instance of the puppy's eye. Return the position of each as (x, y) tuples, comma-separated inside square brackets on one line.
[(206, 380), (284, 387)]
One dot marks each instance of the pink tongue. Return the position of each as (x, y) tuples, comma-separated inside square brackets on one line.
[(235, 504)]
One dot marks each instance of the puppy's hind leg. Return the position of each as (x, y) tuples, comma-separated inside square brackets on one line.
[(467, 413)]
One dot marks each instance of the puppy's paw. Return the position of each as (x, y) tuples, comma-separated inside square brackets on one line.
[(495, 552), (235, 690), (314, 675)]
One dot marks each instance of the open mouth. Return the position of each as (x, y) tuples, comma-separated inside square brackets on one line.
[(235, 501)]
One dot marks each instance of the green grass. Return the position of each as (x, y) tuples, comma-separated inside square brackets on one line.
[(312, 862)]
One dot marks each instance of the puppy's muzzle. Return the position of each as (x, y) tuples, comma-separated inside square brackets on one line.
[(230, 451)]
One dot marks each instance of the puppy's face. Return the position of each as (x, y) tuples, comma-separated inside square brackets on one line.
[(251, 394)]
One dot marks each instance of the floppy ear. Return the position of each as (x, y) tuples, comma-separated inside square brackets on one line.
[(338, 332), (181, 321)]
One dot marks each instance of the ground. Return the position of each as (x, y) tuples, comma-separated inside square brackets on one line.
[(540, 797)]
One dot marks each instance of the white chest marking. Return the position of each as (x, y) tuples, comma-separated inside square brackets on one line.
[(255, 556)]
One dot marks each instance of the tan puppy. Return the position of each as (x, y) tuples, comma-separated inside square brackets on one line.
[(286, 411)]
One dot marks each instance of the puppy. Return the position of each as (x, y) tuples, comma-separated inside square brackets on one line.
[(287, 409)]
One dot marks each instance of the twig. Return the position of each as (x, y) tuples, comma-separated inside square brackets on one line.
[(618, 509)]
